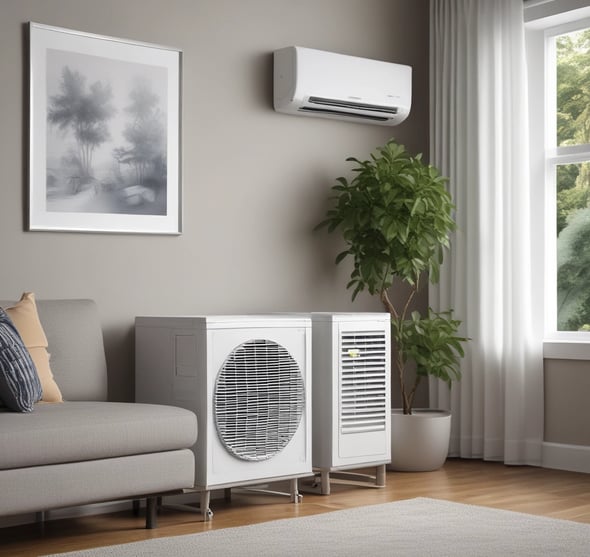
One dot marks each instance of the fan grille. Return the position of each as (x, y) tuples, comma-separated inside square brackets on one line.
[(259, 400)]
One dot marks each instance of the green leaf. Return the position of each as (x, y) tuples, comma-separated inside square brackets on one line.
[(341, 256)]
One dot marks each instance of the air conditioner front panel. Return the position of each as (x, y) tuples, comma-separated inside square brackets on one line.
[(244, 453), (318, 83), (351, 392)]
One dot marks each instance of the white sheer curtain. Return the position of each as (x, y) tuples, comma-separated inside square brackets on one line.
[(479, 140)]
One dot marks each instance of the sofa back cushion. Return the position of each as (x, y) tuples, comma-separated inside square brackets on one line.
[(75, 345)]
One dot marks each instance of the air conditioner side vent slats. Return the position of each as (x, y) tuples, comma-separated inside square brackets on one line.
[(363, 383)]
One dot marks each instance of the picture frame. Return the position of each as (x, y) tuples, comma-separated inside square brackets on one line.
[(104, 134)]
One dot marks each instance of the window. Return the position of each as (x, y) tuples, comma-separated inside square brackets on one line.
[(558, 52), (569, 109), (559, 68)]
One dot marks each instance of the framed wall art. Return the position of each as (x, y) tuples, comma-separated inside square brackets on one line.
[(104, 134)]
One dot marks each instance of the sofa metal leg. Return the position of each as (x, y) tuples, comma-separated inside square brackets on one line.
[(151, 520), (325, 482), (40, 518)]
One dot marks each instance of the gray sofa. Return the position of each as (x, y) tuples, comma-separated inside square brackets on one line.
[(88, 450)]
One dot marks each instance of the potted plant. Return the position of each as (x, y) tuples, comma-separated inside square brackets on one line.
[(395, 216)]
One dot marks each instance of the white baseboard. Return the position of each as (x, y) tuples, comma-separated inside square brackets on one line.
[(575, 458)]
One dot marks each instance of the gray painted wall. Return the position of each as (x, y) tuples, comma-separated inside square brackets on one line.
[(255, 181), (567, 397)]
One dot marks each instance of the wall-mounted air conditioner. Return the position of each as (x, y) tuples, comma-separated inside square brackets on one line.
[(317, 83), (248, 379), (351, 408)]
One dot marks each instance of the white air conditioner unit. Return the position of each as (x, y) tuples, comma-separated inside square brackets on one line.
[(351, 408), (248, 379), (318, 83)]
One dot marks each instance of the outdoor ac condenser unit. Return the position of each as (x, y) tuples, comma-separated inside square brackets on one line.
[(351, 407), (248, 379), (312, 82)]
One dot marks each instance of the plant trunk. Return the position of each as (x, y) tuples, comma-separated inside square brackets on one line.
[(412, 394), (387, 304), (396, 355), (406, 404)]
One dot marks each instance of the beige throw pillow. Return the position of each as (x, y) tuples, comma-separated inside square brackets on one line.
[(26, 320)]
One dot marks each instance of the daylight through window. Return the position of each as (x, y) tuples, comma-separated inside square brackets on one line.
[(570, 165)]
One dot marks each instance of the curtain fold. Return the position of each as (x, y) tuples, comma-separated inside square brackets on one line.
[(479, 139)]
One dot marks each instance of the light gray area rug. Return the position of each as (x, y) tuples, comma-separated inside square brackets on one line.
[(414, 527)]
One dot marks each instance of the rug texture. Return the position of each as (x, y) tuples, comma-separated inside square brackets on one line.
[(414, 527)]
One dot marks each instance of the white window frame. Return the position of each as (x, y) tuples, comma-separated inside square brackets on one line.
[(545, 156)]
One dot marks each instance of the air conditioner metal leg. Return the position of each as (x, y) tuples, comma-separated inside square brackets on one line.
[(324, 477), (296, 497), (205, 500), (380, 476)]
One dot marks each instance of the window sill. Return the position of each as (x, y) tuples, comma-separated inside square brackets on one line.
[(566, 350)]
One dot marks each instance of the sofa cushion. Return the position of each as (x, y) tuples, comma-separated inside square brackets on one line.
[(26, 320), (74, 333), (74, 336), (81, 431), (19, 383)]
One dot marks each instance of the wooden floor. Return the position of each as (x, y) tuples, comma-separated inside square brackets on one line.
[(538, 491)]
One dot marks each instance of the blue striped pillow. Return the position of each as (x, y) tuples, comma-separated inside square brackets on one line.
[(20, 387)]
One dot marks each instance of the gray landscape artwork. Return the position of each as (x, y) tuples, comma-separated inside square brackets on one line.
[(106, 135)]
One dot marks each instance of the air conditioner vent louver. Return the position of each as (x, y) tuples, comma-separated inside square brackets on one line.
[(340, 113), (363, 382), (259, 400), (354, 105)]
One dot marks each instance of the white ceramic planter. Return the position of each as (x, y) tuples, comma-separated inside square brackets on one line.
[(420, 441)]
